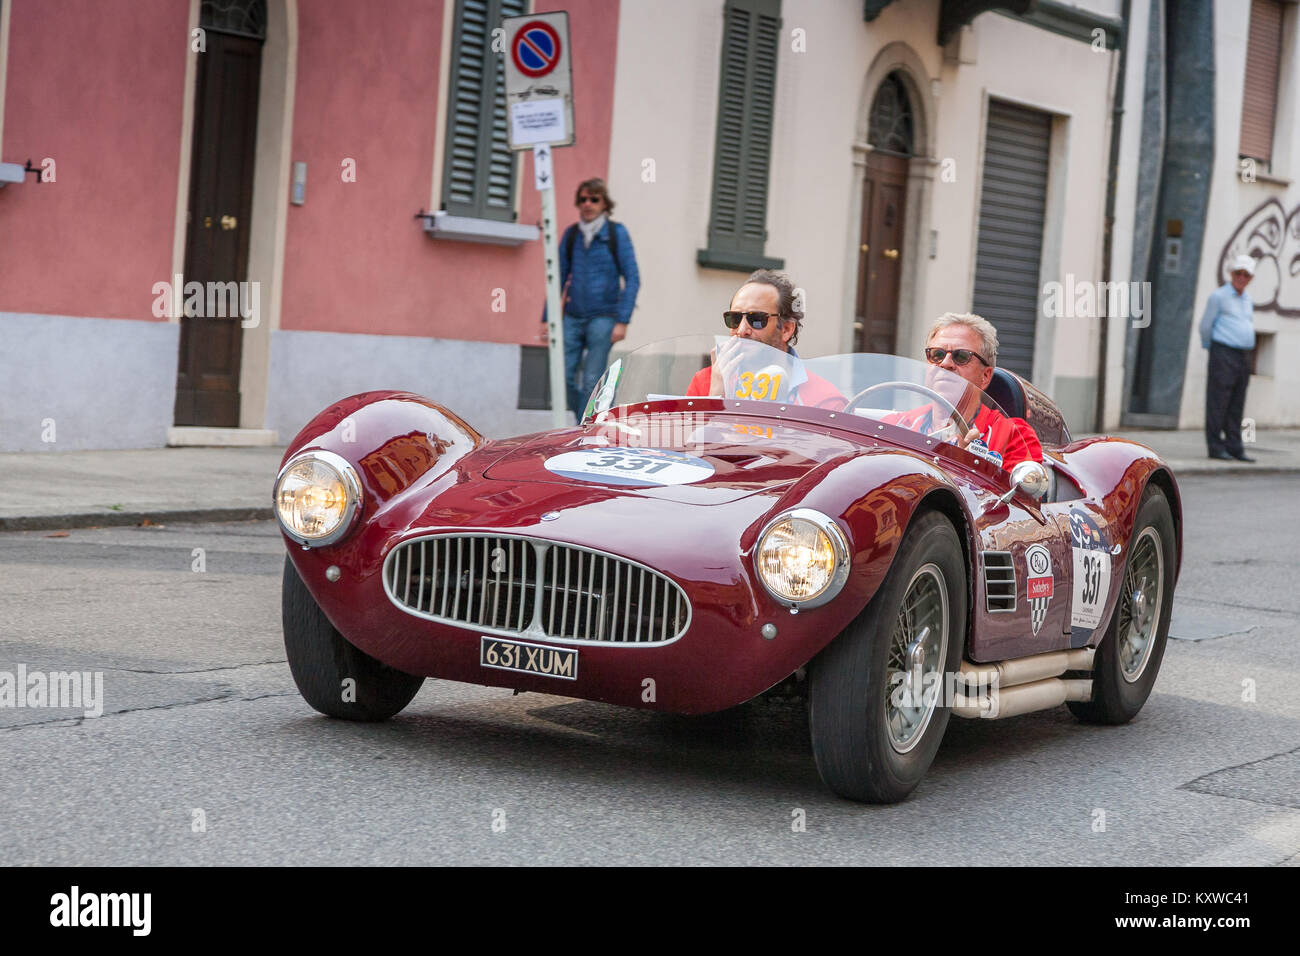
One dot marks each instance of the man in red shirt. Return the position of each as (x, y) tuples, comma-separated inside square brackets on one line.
[(765, 309), (967, 345)]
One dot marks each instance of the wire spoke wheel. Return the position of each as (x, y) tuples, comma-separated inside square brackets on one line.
[(1141, 604), (918, 648)]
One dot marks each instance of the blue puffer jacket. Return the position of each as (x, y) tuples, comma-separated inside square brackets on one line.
[(595, 290)]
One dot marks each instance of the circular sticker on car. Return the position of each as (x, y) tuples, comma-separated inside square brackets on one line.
[(638, 467)]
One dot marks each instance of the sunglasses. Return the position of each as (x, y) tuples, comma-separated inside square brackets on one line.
[(756, 320), (959, 356), (588, 199)]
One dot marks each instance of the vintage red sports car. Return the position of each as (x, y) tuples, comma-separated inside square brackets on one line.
[(813, 522)]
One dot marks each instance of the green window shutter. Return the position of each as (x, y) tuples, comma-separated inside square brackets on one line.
[(478, 168), (751, 34)]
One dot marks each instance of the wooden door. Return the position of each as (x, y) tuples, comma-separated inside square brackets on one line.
[(884, 192), (220, 207)]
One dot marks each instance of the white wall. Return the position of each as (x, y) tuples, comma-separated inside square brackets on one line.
[(667, 111), (1273, 399)]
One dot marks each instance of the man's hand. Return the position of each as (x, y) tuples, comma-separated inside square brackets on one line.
[(948, 433), (725, 369), (618, 333)]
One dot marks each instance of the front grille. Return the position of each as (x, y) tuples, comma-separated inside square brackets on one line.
[(486, 582), (524, 586), (999, 581)]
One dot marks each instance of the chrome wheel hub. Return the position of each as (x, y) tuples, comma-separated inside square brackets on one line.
[(1139, 611), (918, 648)]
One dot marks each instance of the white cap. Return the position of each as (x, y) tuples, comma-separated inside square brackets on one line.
[(1243, 264)]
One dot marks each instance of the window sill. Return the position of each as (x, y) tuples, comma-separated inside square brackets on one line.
[(736, 261), (1267, 176), (1271, 179), (487, 231)]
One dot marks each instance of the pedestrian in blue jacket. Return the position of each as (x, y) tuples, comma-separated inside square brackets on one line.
[(600, 280)]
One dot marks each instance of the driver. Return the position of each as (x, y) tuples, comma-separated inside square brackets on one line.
[(765, 309), (967, 345)]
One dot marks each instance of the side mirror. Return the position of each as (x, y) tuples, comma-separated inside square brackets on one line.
[(1030, 479)]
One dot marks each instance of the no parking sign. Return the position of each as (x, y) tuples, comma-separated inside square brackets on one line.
[(539, 80)]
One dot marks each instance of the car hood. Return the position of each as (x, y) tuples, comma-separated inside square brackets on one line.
[(690, 459)]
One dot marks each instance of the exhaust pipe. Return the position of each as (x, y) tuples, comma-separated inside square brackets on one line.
[(1022, 685)]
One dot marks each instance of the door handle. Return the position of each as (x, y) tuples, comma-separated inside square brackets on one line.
[(230, 222), (865, 247), (890, 253), (207, 222)]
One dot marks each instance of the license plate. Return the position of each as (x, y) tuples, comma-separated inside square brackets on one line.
[(527, 658)]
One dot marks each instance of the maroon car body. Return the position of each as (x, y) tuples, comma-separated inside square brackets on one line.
[(425, 473)]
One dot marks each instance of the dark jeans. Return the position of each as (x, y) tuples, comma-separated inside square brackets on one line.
[(582, 372), (1225, 398)]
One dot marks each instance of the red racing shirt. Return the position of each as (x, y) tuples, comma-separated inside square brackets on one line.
[(1011, 438)]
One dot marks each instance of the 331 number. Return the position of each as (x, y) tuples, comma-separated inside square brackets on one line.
[(759, 386)]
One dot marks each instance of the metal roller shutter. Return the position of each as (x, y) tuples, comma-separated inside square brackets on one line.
[(1013, 199), (1259, 99)]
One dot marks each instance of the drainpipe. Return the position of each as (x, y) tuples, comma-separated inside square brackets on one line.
[(1108, 228)]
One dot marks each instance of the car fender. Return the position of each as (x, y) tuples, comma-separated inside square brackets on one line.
[(393, 440), (873, 497)]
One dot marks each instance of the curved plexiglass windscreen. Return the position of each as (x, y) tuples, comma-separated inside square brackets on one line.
[(889, 388)]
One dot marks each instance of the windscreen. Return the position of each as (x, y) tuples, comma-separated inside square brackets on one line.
[(890, 388)]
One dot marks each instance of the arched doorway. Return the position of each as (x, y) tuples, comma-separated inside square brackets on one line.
[(891, 136), (219, 212)]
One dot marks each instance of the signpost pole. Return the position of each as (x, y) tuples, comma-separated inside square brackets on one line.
[(539, 107), (554, 311)]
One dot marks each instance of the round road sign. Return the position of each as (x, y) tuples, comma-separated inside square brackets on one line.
[(535, 49)]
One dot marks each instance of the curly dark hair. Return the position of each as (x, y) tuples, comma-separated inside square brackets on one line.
[(787, 296)]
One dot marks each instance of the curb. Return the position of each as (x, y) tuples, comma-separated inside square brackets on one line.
[(1200, 471), (117, 519)]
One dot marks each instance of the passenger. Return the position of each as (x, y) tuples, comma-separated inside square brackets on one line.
[(764, 310)]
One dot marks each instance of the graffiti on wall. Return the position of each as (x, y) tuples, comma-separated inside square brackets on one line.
[(1272, 238)]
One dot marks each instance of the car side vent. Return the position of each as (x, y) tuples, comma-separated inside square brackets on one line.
[(999, 581)]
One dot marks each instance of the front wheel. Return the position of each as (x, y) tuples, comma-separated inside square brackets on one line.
[(877, 703), (1128, 657), (332, 674)]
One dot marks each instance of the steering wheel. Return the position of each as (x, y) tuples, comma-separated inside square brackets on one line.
[(954, 416)]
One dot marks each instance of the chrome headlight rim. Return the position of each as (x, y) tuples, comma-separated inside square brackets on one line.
[(351, 485), (839, 544)]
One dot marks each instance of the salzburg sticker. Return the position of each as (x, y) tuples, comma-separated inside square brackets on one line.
[(1091, 570), (1039, 583), (635, 467)]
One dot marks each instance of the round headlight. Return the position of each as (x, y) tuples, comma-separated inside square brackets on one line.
[(802, 558), (316, 498)]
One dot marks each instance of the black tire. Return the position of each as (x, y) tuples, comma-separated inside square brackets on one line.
[(849, 681), (1115, 699), (321, 659)]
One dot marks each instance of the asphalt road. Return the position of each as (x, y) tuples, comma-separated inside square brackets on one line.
[(205, 753)]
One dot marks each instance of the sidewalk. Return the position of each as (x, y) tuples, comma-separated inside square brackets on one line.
[(78, 489)]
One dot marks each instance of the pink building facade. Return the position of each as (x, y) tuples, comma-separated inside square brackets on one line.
[(288, 145)]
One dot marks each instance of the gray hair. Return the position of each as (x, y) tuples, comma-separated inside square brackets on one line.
[(789, 302), (987, 333)]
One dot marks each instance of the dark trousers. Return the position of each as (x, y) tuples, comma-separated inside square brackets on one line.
[(1225, 398)]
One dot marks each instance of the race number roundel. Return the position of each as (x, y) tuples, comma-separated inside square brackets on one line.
[(535, 49), (635, 467)]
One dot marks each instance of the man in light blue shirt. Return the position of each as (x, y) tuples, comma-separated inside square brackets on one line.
[(1228, 331)]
